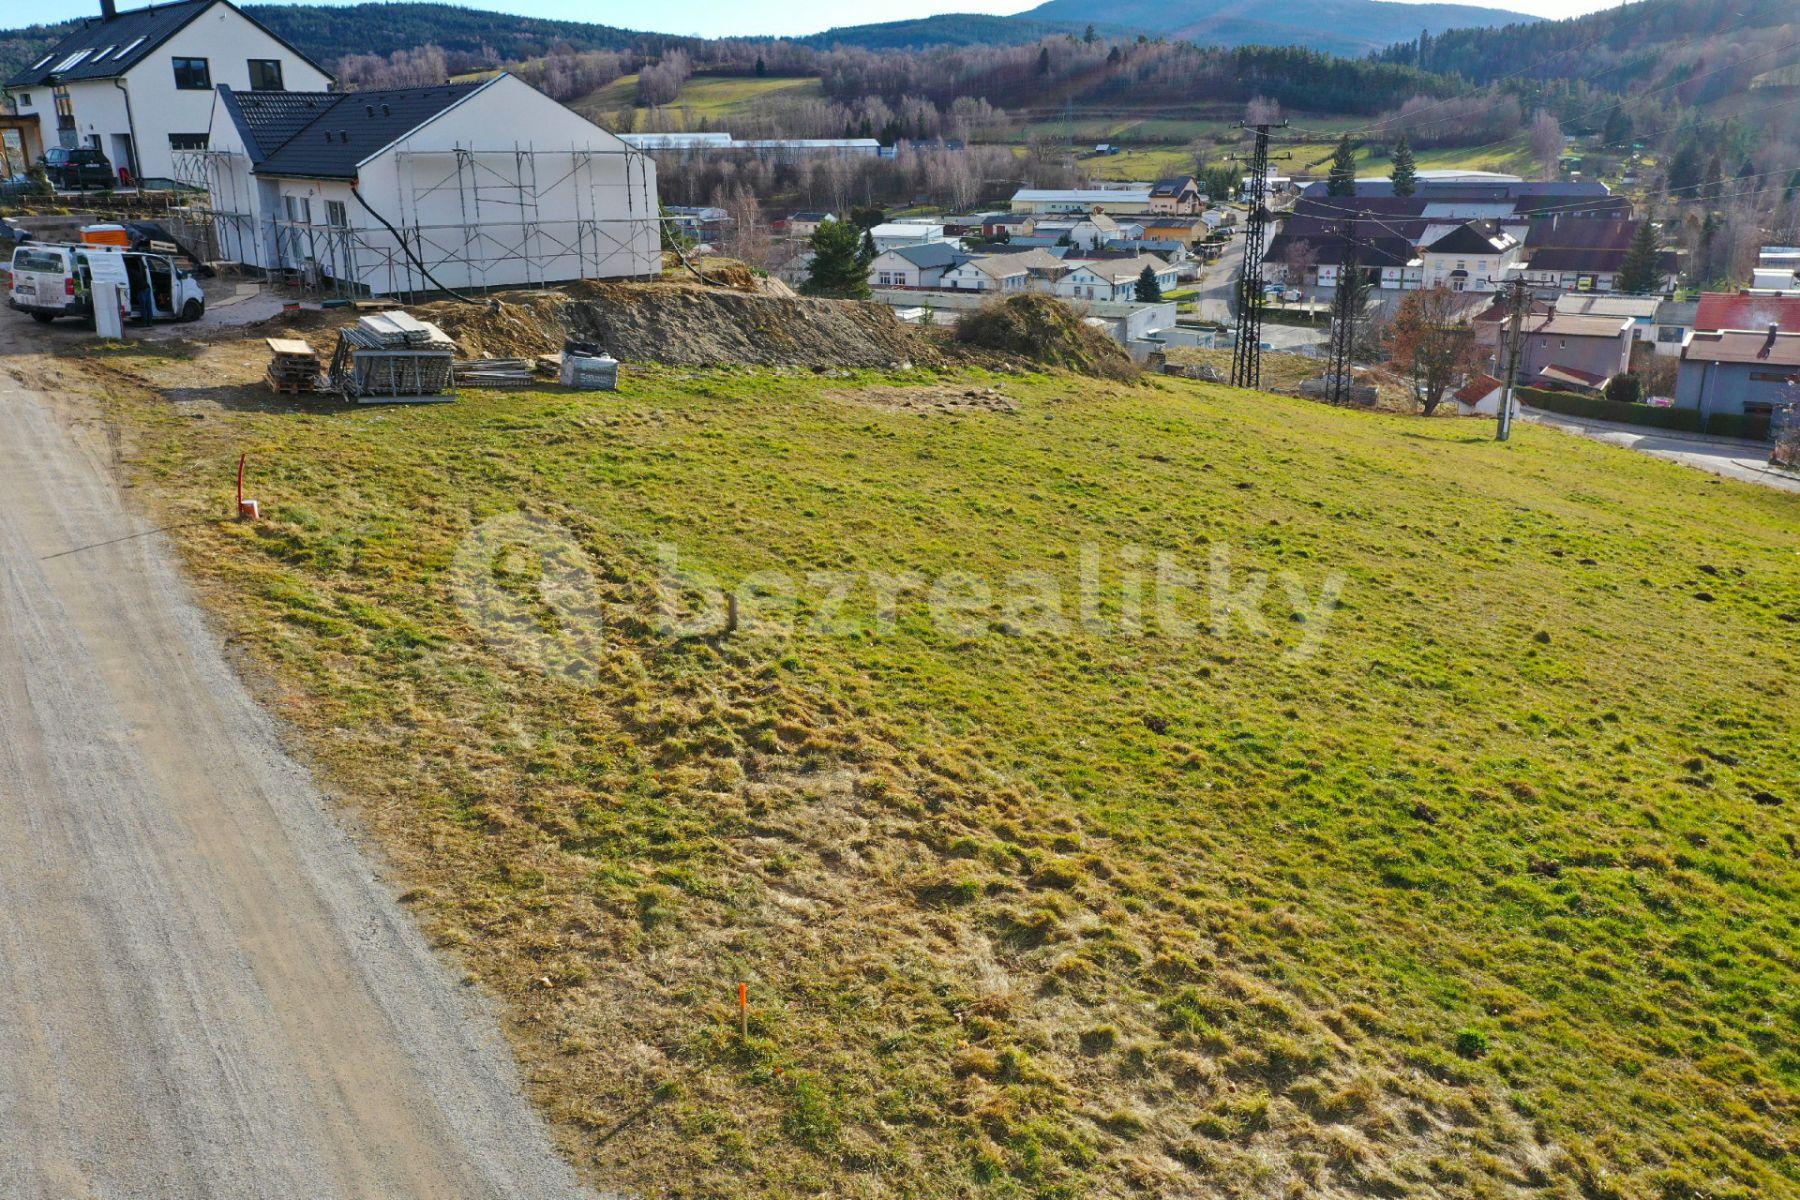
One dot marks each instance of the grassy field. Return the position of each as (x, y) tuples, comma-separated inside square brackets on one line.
[(1460, 861), (715, 98), (1512, 156)]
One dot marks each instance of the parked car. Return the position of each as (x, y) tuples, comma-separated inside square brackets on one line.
[(76, 168), (50, 281)]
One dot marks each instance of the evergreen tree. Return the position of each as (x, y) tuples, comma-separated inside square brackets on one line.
[(1043, 67), (1714, 186), (1090, 37), (1684, 170), (1617, 128), (1638, 275), (1405, 177), (1149, 291), (1342, 180), (840, 263), (762, 68)]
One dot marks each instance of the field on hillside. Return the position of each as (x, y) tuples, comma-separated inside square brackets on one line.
[(715, 98), (1107, 790)]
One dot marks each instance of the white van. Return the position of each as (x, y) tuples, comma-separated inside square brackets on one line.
[(50, 281)]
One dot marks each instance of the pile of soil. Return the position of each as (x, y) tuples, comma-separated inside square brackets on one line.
[(717, 327), (928, 400), (741, 319), (1048, 332)]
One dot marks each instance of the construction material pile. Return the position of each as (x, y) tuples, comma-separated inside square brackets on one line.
[(392, 356), (293, 366)]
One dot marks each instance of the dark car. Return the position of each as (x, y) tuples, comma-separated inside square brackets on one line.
[(75, 168)]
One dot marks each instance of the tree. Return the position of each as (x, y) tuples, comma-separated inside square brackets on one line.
[(1149, 291), (1342, 179), (1546, 142), (1405, 175), (1714, 187), (1428, 341), (1043, 67), (840, 263), (1684, 170), (1617, 127), (1640, 275), (762, 68), (1090, 37)]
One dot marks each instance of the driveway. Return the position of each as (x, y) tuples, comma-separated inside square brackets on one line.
[(206, 991), (1730, 457)]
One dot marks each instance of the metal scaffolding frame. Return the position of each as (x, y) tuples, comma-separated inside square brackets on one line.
[(498, 235)]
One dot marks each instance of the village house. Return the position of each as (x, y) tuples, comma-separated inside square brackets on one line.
[(138, 85), (1741, 372), (1571, 353), (1186, 230), (1674, 321), (1113, 279), (1180, 195), (802, 225), (1472, 257), (989, 273), (1480, 397), (894, 234), (371, 192), (919, 266), (1742, 310)]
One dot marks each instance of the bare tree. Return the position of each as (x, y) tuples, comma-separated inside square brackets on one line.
[(1546, 142), (1428, 340), (1300, 259), (1262, 111)]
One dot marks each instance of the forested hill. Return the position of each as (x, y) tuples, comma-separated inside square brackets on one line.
[(1627, 48), (1349, 27)]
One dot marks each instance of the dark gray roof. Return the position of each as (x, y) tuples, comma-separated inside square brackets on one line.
[(268, 119), (931, 254), (114, 46), (342, 131)]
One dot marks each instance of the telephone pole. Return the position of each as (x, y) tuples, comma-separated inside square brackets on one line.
[(1344, 305), (1246, 356), (1515, 342)]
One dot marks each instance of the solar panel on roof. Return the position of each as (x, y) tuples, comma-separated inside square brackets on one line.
[(130, 46), (40, 62), (108, 50)]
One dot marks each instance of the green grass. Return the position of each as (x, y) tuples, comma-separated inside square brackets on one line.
[(1512, 156), (1492, 894), (715, 98)]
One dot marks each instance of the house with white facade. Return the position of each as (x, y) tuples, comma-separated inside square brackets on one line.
[(1004, 273), (1113, 278), (1472, 257), (894, 234), (138, 85), (489, 184), (920, 266)]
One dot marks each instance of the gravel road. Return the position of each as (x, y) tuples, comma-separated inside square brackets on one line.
[(205, 991)]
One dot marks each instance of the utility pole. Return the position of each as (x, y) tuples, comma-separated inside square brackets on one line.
[(1246, 357), (1515, 342), (1344, 305)]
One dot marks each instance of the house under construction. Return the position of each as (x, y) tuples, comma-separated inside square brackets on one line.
[(418, 190)]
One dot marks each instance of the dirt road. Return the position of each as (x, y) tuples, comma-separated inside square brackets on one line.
[(204, 990)]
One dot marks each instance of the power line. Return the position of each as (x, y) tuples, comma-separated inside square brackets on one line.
[(1246, 356)]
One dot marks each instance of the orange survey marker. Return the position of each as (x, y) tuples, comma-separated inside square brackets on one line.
[(743, 1010), (247, 510)]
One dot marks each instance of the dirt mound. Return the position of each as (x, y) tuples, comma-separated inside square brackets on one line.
[(717, 327), (1046, 331), (520, 326), (929, 400)]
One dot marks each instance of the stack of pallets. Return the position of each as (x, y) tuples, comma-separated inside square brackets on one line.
[(493, 372), (293, 367), (392, 357)]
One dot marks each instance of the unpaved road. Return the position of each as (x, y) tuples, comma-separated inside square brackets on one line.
[(204, 989)]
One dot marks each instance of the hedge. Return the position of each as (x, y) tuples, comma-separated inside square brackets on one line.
[(1594, 408), (1752, 427)]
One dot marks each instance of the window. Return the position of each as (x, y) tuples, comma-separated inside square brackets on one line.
[(299, 209), (24, 99), (73, 60), (336, 214), (133, 44), (265, 75), (187, 141), (1772, 377), (105, 50), (1669, 333), (192, 75)]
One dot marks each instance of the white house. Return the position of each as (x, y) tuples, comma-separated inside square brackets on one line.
[(489, 184), (989, 273), (1473, 257), (1480, 397), (921, 266), (803, 225), (1113, 278), (138, 85)]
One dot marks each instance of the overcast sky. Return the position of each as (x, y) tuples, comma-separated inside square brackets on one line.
[(733, 17)]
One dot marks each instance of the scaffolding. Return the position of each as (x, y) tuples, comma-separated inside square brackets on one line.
[(470, 219)]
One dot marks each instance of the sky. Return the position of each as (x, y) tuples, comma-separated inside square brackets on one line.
[(716, 18)]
